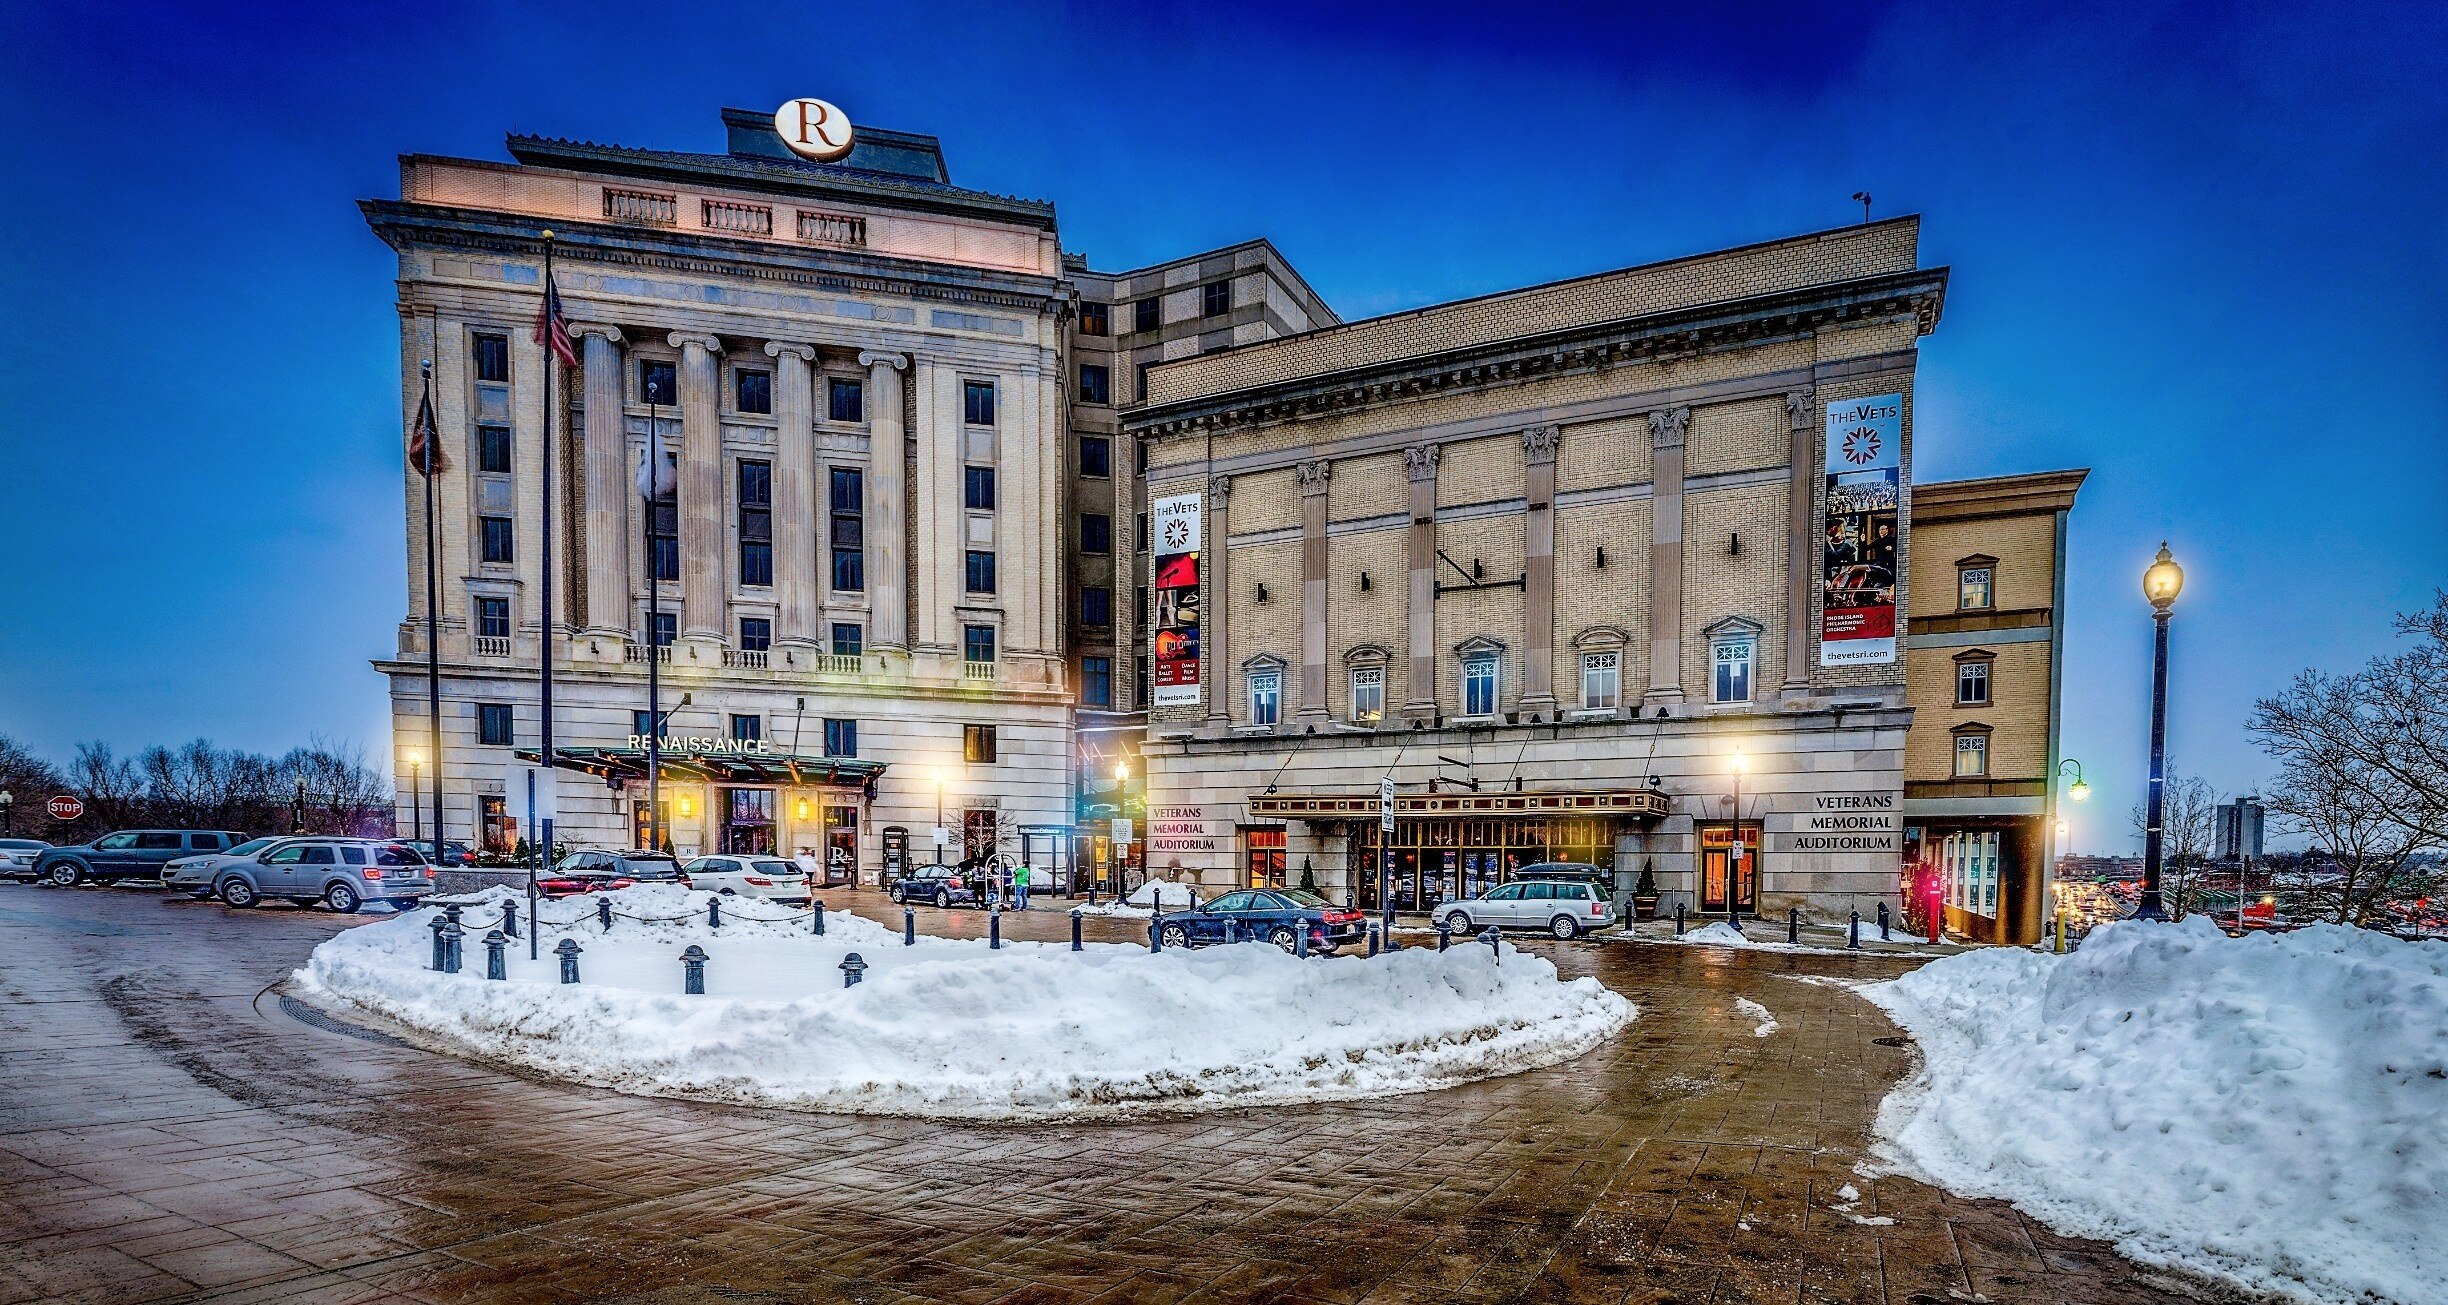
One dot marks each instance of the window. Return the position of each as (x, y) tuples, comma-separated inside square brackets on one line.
[(752, 391), (1215, 299), (1096, 605), (1971, 756), (492, 618), (1139, 602), (1096, 533), (978, 743), (1142, 444), (1096, 681), (663, 536), (1096, 383), (1972, 588), (1147, 314), (1139, 678), (666, 629), (981, 571), (492, 357), (1479, 684), (1265, 695), (848, 639), (978, 488), (746, 729), (848, 499), (1142, 536), (498, 540), (1730, 675), (756, 523), (641, 723), (169, 843), (1367, 694), (1969, 865), (840, 738), (1601, 681), (756, 634), (657, 382), (1095, 455), (977, 643), (845, 399), (1094, 320), (1972, 683), (1143, 396), (978, 402), (493, 449), (493, 724)]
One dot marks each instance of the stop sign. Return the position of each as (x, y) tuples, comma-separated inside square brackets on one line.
[(64, 807)]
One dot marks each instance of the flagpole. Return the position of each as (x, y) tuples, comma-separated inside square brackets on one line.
[(433, 616), (546, 325)]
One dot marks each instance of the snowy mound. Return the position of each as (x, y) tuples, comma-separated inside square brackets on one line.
[(953, 1028), (2265, 1110)]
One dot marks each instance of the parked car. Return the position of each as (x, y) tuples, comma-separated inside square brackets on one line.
[(1275, 915), (17, 857), (1564, 905), (196, 875), (603, 872), (127, 854), (342, 873), (944, 885), (453, 854), (766, 877)]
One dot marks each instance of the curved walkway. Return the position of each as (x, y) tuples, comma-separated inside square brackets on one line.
[(168, 1131)]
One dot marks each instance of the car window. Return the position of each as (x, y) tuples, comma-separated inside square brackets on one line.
[(1300, 897), (157, 842), (773, 867), (354, 855), (252, 846), (317, 855), (395, 854), (1231, 902), (286, 856), (1505, 893), (697, 866), (1540, 892), (115, 842)]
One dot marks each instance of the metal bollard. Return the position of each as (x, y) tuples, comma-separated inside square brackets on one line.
[(1678, 919), (909, 927), (1793, 924), (994, 930), (1232, 931), (451, 910), (853, 967), (1300, 941), (450, 946), (692, 971), (437, 925), (1372, 940), (818, 908), (509, 924), (1495, 942), (1156, 932), (495, 941), (1075, 929), (713, 913), (1853, 933), (1444, 933), (603, 913), (568, 952), (1883, 923)]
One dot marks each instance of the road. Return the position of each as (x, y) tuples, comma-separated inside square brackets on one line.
[(169, 1130)]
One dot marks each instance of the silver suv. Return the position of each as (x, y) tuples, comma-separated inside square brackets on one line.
[(342, 873), (196, 875), (1566, 908)]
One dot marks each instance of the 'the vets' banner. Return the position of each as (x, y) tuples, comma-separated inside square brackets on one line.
[(1175, 519), (1865, 440)]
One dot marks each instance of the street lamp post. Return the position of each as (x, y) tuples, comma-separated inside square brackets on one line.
[(416, 801), (8, 812), (941, 835), (1734, 851), (297, 808), (2160, 584)]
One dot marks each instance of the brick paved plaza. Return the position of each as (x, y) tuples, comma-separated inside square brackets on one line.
[(168, 1130)]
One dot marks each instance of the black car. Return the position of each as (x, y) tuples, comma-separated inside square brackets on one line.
[(1275, 915), (127, 854), (944, 885)]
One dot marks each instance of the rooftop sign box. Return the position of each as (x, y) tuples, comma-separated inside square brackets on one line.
[(815, 130)]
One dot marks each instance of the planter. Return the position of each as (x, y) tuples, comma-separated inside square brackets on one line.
[(1644, 908)]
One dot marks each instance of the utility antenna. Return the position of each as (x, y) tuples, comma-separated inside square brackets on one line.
[(1863, 197)]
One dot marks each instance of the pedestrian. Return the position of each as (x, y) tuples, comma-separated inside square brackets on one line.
[(1020, 886), (807, 863)]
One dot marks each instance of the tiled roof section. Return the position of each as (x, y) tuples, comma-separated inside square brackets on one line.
[(776, 175), (1799, 261)]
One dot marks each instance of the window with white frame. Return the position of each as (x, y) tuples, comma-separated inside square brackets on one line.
[(1971, 756), (1969, 862), (1367, 694), (1601, 680), (1265, 694), (1973, 586), (1972, 683), (1479, 684), (1731, 656)]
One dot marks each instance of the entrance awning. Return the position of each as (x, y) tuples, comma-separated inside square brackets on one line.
[(1637, 802), (732, 768)]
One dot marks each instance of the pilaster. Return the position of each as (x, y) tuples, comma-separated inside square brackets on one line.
[(1802, 565), (797, 598), (1312, 478), (1215, 621), (1419, 699), (887, 538), (702, 599), (1666, 429), (1538, 581)]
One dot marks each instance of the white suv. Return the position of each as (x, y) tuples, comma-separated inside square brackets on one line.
[(1566, 908), (766, 877)]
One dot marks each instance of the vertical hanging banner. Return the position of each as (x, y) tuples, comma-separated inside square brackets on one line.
[(1175, 520), (1865, 442)]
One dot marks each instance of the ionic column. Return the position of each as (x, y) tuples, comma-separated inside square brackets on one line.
[(1212, 621), (701, 489), (1802, 561), (887, 539), (608, 489), (1538, 583), (797, 599), (1419, 700), (935, 534), (1666, 428), (1312, 477)]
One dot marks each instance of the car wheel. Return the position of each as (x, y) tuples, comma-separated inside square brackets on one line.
[(1564, 927), (65, 874), (1175, 936), (1281, 937), (1458, 922), (238, 893), (729, 893), (342, 898), (943, 899)]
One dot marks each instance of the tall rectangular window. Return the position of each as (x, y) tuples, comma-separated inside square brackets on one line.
[(1096, 383), (658, 382), (1096, 681), (752, 391), (977, 643), (1142, 454), (978, 488), (747, 728), (981, 577), (492, 357), (492, 618), (663, 536), (1096, 605), (1367, 694), (1730, 659), (845, 399), (1141, 536), (1971, 755), (1265, 695), (1972, 684), (978, 743), (848, 639), (1139, 679), (499, 541), (1147, 314), (641, 723), (494, 724), (1601, 681), (1095, 455), (1215, 299), (666, 628), (1479, 685), (847, 498), (756, 523), (1143, 397), (1096, 533), (493, 449), (1094, 320), (756, 634), (840, 737), (978, 402), (1972, 588)]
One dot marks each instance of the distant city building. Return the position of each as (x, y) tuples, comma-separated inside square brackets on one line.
[(2071, 866), (2239, 828)]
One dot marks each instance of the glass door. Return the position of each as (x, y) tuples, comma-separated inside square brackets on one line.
[(1716, 858), (1263, 862)]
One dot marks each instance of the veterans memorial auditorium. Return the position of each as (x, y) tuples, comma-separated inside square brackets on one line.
[(1158, 573)]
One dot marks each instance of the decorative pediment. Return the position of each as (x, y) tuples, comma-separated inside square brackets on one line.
[(1975, 655), (1479, 645), (1734, 627), (1367, 654), (1601, 638)]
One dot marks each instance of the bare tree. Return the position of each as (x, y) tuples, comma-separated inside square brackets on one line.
[(29, 781), (2188, 830), (110, 786)]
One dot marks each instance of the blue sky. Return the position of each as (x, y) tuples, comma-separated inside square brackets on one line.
[(2198, 249)]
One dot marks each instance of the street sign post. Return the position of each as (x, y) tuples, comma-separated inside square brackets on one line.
[(1123, 830), (64, 808), (1385, 855)]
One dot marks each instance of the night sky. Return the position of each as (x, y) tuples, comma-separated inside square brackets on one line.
[(2198, 249)]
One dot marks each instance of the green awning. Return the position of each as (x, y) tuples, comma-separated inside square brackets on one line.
[(724, 768)]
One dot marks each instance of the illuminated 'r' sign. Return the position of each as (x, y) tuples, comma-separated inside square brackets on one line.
[(814, 130)]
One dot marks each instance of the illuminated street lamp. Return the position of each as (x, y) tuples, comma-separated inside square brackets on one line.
[(941, 837), (1734, 854), (416, 801), (2160, 584)]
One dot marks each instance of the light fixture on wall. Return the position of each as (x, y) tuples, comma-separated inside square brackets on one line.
[(685, 809), (802, 809)]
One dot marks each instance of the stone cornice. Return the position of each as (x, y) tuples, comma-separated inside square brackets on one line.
[(1918, 295)]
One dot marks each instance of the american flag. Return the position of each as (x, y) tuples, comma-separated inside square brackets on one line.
[(424, 451), (552, 326)]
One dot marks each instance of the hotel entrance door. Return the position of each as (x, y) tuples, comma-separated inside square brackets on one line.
[(1716, 846), (1265, 862)]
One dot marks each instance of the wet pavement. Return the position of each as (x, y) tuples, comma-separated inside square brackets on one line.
[(169, 1131)]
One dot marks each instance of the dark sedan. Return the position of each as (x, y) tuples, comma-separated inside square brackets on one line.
[(1275, 915), (944, 885), (603, 872)]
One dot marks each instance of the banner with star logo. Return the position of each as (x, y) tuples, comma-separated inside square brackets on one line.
[(1865, 488)]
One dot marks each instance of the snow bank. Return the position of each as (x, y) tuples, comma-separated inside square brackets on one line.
[(2267, 1109), (1142, 900), (952, 1028)]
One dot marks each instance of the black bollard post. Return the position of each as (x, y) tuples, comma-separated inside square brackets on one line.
[(1075, 929), (1300, 941), (1372, 940), (1853, 933), (818, 908), (713, 913), (437, 925), (1232, 931), (1883, 923), (692, 971), (909, 927), (1156, 932), (853, 967), (1793, 924), (509, 924), (450, 946), (568, 952), (1678, 919), (1444, 933), (603, 913), (994, 929), (451, 910), (1495, 942), (495, 941)]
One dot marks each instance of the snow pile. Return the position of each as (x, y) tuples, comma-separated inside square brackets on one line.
[(1142, 900), (2265, 1110), (1762, 1023), (1718, 933), (952, 1028)]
